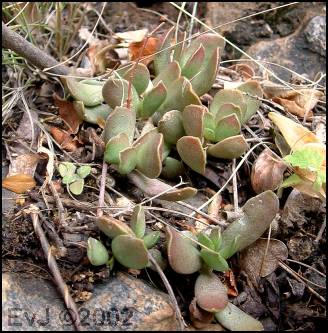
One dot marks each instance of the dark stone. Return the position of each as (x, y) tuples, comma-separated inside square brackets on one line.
[(122, 303), (315, 34)]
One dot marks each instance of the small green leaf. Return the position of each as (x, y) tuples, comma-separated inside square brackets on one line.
[(151, 239), (66, 168), (96, 252), (291, 181), (230, 249), (216, 239), (214, 260), (306, 158), (205, 240), (77, 187), (84, 170), (68, 179), (138, 222)]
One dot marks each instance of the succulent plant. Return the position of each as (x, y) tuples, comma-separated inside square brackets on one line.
[(185, 258), (97, 253), (130, 244), (73, 180)]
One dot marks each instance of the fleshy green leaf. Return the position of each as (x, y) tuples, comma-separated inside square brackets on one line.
[(171, 126), (227, 127), (205, 240), (210, 292), (130, 251), (172, 168), (77, 186), (164, 57), (216, 238), (214, 260), (192, 153), (114, 146), (84, 170), (87, 91), (152, 100), (151, 239), (96, 252), (252, 88), (113, 227), (234, 319), (258, 213), (229, 148), (121, 120), (193, 120), (183, 256), (138, 221), (140, 76), (94, 114), (291, 181)]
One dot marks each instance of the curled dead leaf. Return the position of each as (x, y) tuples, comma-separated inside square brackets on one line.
[(298, 102), (267, 172), (64, 139), (246, 71), (19, 183), (257, 265), (136, 49), (68, 113)]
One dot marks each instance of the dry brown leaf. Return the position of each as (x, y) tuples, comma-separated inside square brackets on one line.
[(102, 55), (292, 107), (132, 36), (295, 134), (230, 283), (19, 183), (244, 70), (151, 47), (24, 164), (252, 258), (267, 172), (298, 102), (68, 113), (64, 139)]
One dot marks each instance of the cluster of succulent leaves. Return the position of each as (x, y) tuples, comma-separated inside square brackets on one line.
[(185, 257), (73, 178), (171, 101), (129, 245)]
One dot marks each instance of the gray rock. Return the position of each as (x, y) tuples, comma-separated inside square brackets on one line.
[(293, 52), (315, 33), (123, 303)]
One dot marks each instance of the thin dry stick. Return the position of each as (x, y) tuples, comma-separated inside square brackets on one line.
[(12, 40), (291, 272), (320, 233), (197, 210), (235, 186), (305, 265), (70, 304), (61, 210), (102, 188), (266, 249), (169, 290)]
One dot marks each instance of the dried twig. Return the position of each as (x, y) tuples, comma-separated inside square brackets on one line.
[(12, 40), (291, 272), (102, 188), (70, 304), (169, 290)]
